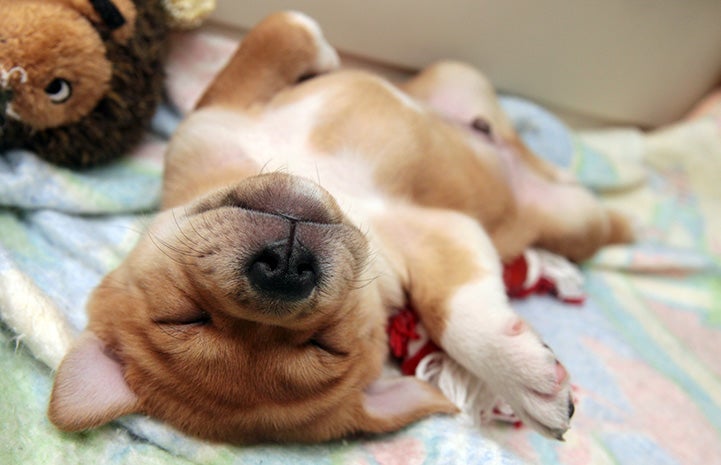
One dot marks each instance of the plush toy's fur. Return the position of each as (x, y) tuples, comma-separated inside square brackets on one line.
[(75, 87)]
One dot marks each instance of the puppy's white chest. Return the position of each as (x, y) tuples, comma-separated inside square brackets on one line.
[(280, 139)]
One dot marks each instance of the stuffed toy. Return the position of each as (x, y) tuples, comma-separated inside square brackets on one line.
[(81, 79)]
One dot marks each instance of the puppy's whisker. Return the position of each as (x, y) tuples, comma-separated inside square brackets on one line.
[(187, 241), (317, 174), (262, 168), (284, 169), (143, 222), (196, 231), (164, 247), (358, 284), (180, 247)]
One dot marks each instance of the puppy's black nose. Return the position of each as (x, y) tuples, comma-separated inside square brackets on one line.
[(284, 270)]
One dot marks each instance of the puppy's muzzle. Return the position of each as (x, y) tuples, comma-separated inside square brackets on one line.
[(285, 270), (290, 197), (280, 245)]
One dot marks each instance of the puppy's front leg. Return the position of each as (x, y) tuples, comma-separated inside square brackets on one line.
[(281, 50), (454, 279)]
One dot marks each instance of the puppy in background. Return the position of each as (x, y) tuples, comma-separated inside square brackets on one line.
[(298, 214)]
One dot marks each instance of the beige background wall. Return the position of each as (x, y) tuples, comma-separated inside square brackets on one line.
[(622, 61)]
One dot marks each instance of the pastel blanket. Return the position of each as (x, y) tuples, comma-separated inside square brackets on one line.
[(643, 351)]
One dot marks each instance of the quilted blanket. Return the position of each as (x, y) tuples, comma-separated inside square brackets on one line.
[(643, 350)]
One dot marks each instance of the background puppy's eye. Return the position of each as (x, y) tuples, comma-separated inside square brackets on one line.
[(59, 90)]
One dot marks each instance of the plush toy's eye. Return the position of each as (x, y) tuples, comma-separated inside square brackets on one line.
[(59, 90)]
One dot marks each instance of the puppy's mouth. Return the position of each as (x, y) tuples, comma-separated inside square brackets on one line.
[(291, 197)]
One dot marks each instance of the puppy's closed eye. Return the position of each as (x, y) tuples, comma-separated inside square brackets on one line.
[(188, 316), (183, 326), (320, 342), (200, 320)]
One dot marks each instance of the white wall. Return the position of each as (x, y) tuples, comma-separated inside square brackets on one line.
[(628, 61)]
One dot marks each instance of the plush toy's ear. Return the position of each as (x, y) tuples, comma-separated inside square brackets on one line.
[(390, 404), (118, 15), (109, 14), (89, 387)]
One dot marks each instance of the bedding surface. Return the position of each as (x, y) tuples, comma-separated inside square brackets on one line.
[(643, 350)]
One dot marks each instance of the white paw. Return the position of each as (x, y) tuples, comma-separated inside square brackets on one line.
[(533, 382)]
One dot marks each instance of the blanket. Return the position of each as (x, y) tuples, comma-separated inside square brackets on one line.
[(642, 350)]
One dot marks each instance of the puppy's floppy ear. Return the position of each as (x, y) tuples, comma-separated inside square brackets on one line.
[(89, 388), (390, 404)]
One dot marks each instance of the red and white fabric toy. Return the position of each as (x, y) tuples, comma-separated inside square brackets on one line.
[(541, 272), (534, 272)]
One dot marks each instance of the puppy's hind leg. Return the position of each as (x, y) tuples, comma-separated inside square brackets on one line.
[(571, 222), (558, 213), (462, 94), (281, 50)]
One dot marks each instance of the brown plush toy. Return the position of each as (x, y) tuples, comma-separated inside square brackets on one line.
[(79, 79)]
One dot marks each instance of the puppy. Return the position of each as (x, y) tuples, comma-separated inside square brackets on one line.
[(297, 215)]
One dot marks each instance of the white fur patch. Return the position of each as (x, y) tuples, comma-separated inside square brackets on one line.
[(10, 111), (278, 140), (478, 312), (6, 75)]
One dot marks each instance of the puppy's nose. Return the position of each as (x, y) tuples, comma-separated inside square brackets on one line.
[(284, 270)]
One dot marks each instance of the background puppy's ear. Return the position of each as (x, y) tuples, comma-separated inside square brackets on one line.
[(89, 387), (390, 404)]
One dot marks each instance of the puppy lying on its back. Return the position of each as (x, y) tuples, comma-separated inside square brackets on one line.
[(298, 214)]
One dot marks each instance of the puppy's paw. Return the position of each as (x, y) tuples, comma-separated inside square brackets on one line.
[(622, 229), (326, 57), (534, 382)]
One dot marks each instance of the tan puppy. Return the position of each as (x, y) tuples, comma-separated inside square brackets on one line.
[(298, 214)]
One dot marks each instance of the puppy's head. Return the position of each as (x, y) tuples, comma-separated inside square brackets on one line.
[(248, 315)]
